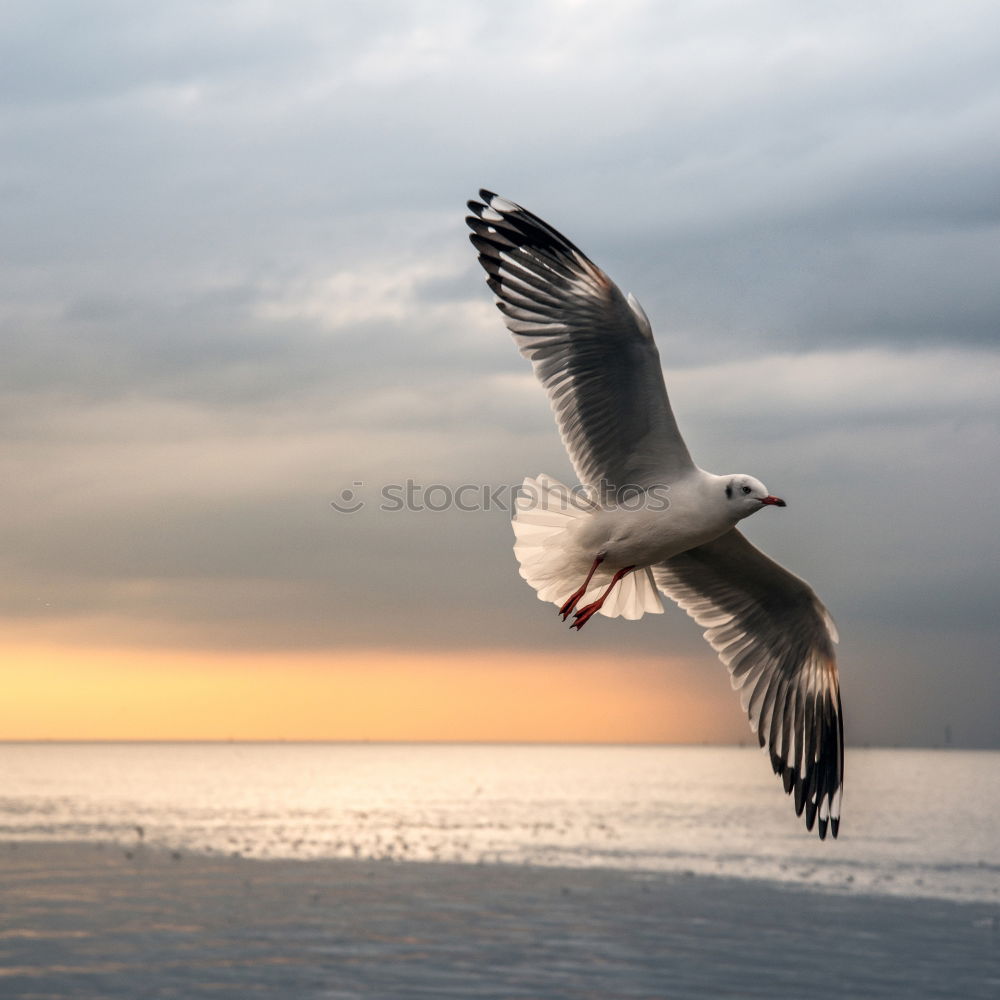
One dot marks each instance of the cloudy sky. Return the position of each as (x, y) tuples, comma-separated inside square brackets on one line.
[(236, 284)]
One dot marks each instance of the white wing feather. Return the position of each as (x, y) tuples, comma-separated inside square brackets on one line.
[(592, 349), (776, 639)]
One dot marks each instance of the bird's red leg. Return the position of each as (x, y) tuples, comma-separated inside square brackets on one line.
[(585, 614), (571, 603)]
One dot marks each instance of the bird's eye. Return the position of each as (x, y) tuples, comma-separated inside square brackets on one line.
[(746, 489)]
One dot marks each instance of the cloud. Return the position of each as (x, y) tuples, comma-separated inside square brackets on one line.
[(237, 281)]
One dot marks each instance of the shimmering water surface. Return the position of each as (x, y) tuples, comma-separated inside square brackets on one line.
[(916, 822)]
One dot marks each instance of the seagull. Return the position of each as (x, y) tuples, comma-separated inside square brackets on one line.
[(645, 520)]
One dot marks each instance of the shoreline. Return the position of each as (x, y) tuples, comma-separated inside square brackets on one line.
[(796, 873), (87, 920)]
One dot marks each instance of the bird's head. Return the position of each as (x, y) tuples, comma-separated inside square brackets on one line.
[(746, 495)]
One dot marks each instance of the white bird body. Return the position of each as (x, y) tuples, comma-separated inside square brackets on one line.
[(638, 532), (648, 520)]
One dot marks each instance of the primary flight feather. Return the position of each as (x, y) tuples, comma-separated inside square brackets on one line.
[(647, 520)]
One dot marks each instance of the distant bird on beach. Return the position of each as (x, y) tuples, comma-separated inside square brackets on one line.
[(647, 520)]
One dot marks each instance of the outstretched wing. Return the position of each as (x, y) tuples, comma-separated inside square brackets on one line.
[(592, 349), (776, 638)]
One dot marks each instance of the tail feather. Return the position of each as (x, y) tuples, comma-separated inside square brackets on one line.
[(545, 517), (634, 596)]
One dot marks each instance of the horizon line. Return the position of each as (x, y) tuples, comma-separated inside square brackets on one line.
[(223, 741)]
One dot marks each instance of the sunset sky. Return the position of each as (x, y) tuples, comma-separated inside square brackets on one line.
[(236, 287)]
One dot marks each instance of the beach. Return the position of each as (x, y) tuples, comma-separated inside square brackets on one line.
[(111, 921)]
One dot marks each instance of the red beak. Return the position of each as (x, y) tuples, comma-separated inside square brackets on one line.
[(774, 501)]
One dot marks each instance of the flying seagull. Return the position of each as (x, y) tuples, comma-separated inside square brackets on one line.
[(646, 520)]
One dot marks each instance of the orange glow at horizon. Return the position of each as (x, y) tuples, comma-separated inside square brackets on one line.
[(63, 693)]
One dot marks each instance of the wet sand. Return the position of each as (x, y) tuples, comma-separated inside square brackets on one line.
[(89, 921)]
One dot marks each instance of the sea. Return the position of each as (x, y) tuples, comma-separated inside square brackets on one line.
[(922, 823)]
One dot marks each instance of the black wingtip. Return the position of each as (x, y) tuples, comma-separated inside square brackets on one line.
[(524, 228), (810, 814)]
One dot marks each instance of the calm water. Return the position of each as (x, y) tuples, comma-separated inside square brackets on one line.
[(916, 822)]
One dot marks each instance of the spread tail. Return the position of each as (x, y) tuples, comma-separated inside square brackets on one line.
[(545, 516)]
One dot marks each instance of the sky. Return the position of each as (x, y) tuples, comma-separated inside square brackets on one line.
[(236, 288)]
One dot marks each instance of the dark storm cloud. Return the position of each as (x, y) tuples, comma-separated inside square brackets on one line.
[(236, 281)]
